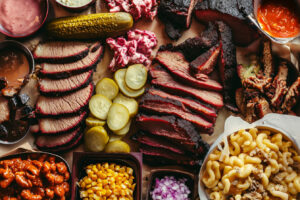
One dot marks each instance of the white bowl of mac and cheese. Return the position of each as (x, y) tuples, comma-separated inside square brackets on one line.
[(256, 161)]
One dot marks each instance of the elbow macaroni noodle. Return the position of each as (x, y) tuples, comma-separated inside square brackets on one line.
[(260, 164)]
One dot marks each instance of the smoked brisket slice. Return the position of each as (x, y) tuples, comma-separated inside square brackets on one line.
[(61, 52), (155, 104), (61, 125), (177, 14), (178, 66), (228, 66), (65, 70), (150, 140), (51, 143), (206, 112), (157, 156), (64, 105), (59, 87), (165, 81), (228, 11), (4, 110), (206, 62), (292, 96)]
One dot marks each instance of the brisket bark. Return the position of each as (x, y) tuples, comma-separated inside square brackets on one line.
[(60, 87), (206, 62), (61, 125), (156, 104), (177, 15), (206, 112), (61, 52), (4, 110), (267, 59), (228, 11), (165, 81), (177, 65), (65, 70), (65, 105), (193, 47), (292, 96), (227, 66)]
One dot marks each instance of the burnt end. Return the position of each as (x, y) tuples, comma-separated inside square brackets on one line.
[(3, 82), (233, 13), (176, 14), (3, 132)]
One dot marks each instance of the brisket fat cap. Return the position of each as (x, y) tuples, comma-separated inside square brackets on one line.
[(165, 81), (61, 52), (61, 125), (64, 105), (156, 104), (177, 65), (201, 109), (60, 87), (65, 70), (228, 11)]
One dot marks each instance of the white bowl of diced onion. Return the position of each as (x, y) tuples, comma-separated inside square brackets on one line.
[(247, 155)]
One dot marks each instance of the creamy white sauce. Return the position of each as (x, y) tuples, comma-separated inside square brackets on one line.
[(74, 3)]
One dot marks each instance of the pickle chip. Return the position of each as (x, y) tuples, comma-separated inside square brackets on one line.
[(95, 139), (124, 130), (92, 121), (136, 76), (99, 106), (108, 88), (118, 117), (130, 103), (119, 77), (117, 146)]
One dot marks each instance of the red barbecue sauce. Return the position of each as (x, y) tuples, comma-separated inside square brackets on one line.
[(279, 18)]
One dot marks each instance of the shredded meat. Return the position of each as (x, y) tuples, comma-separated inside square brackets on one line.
[(136, 49)]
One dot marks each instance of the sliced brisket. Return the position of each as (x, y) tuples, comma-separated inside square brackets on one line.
[(292, 96), (156, 104), (228, 11), (59, 87), (152, 141), (165, 81), (56, 71), (61, 52), (156, 156), (177, 65), (65, 105), (177, 14), (206, 62), (267, 59), (201, 109), (227, 66), (61, 125), (4, 110), (49, 143)]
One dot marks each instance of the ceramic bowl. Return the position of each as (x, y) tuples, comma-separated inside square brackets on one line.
[(75, 8)]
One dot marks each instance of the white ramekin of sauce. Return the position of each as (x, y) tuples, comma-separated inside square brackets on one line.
[(21, 18), (75, 5)]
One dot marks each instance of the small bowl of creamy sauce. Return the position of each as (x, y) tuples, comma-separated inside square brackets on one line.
[(75, 5), (21, 18)]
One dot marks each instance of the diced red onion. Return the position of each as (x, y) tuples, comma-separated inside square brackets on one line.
[(169, 188)]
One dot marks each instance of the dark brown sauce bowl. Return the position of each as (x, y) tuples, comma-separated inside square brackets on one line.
[(18, 46), (57, 158), (45, 11)]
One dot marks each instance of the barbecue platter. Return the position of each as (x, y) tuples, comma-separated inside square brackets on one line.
[(134, 96)]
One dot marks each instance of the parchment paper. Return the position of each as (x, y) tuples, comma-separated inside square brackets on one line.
[(157, 27)]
